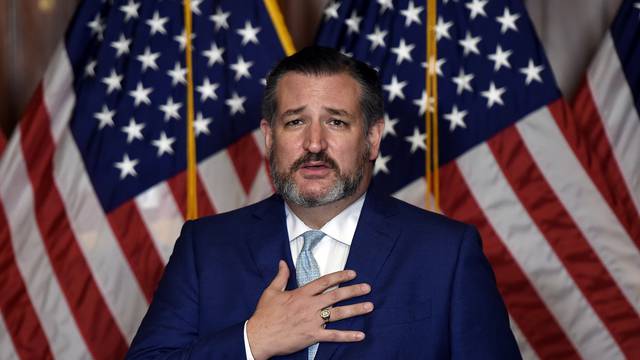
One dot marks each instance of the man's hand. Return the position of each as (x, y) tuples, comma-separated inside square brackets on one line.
[(287, 321)]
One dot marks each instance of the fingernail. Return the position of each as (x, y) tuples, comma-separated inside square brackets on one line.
[(365, 288), (368, 306), (359, 336), (352, 273)]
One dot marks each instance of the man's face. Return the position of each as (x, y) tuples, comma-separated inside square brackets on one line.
[(318, 148)]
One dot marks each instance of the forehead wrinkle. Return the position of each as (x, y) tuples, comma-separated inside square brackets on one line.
[(337, 112), (295, 111)]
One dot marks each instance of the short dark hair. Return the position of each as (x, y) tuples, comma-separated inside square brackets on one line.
[(318, 61)]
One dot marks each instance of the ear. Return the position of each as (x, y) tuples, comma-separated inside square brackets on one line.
[(374, 137), (265, 126)]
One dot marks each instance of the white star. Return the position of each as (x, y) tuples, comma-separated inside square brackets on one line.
[(385, 5), (105, 117), (113, 82), (156, 24), (97, 26), (637, 5), (90, 68), (417, 140), (127, 166), (163, 143), (436, 66), (476, 7), (241, 68), (389, 126), (121, 46), (195, 6), (377, 38), (148, 59), (411, 14), (130, 10), (470, 44), (381, 164), (463, 81), (353, 23), (442, 28), (207, 90), (236, 103), (249, 33), (532, 71), (141, 94), (331, 11), (395, 88), (178, 74), (493, 95), (214, 54), (422, 103), (220, 19), (182, 39), (133, 130), (171, 109), (201, 124), (508, 21), (500, 58), (456, 118), (403, 52)]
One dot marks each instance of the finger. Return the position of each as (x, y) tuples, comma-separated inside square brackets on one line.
[(343, 293), (348, 311), (279, 282), (324, 282), (340, 336)]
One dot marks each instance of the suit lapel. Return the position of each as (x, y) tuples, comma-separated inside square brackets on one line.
[(372, 243), (269, 241)]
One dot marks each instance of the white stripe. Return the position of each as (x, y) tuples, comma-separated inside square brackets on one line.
[(535, 256), (33, 261), (615, 103), (221, 182), (259, 139), (413, 193), (261, 187), (101, 249), (160, 213), (57, 91), (583, 201), (7, 351), (526, 350)]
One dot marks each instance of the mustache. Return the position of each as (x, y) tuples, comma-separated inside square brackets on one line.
[(308, 157)]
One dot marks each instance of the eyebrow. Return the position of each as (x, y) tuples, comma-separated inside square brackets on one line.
[(338, 112), (293, 111)]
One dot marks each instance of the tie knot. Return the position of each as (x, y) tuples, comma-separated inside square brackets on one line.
[(311, 239)]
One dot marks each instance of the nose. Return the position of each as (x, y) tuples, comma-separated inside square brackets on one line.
[(315, 140)]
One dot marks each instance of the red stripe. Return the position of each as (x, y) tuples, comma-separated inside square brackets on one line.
[(568, 242), (247, 158), (19, 315), (525, 306), (588, 140), (178, 186), (137, 246), (90, 311), (3, 142)]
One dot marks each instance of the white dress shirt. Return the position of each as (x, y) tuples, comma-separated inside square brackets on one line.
[(330, 253)]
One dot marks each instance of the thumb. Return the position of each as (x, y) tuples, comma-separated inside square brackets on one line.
[(279, 282)]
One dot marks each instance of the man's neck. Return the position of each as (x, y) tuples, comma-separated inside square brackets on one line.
[(316, 217)]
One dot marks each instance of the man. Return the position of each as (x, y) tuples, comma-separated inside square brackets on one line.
[(417, 285)]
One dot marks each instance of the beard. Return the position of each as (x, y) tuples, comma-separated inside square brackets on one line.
[(344, 186)]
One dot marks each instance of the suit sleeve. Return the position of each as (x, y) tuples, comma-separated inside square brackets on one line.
[(170, 327), (479, 321)]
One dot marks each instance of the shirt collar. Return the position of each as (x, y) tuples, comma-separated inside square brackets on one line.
[(341, 228)]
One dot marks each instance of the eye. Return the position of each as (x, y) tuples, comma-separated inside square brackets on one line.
[(293, 122), (337, 122)]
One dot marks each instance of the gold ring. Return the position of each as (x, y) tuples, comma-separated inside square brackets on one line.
[(325, 314)]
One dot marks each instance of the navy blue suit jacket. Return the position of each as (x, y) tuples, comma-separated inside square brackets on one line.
[(434, 292)]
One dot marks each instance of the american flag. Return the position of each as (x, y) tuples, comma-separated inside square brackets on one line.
[(555, 191), (92, 189)]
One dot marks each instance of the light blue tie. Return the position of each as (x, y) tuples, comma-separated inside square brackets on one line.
[(307, 268)]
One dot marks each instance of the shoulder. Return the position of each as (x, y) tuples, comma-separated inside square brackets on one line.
[(241, 216)]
